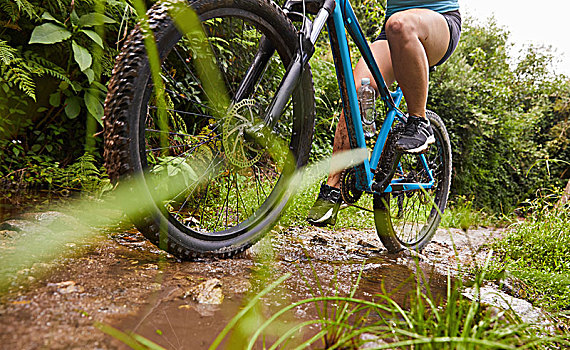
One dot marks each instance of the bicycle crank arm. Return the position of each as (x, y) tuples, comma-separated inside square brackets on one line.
[(385, 175)]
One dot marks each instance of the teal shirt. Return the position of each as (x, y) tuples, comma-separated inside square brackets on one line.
[(440, 6)]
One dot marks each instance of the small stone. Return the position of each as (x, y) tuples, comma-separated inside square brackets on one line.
[(371, 341), (319, 240), (8, 233), (365, 244), (67, 287), (208, 292)]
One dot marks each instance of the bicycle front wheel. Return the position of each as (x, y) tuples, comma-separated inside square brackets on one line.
[(217, 178), (409, 219)]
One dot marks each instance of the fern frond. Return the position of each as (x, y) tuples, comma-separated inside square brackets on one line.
[(11, 9), (7, 53), (108, 61), (41, 66), (20, 71), (28, 8), (20, 78), (59, 6)]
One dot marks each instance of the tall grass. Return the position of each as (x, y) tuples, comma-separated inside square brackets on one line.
[(537, 251)]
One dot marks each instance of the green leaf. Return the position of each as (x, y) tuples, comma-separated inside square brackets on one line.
[(74, 17), (49, 33), (100, 86), (55, 99), (94, 106), (63, 85), (94, 36), (82, 56), (90, 74), (72, 107), (94, 19), (47, 16), (76, 86)]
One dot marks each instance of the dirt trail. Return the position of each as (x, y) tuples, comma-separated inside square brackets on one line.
[(122, 280)]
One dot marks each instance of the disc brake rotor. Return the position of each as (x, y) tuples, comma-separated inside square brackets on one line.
[(240, 151)]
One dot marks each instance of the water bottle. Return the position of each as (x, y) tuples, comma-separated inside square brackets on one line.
[(366, 99)]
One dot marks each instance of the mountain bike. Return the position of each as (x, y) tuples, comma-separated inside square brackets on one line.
[(232, 165)]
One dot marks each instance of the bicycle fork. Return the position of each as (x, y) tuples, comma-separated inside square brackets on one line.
[(305, 50)]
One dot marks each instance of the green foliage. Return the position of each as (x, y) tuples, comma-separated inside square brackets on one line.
[(83, 175), (55, 58), (460, 213), (537, 251), (503, 118), (328, 102)]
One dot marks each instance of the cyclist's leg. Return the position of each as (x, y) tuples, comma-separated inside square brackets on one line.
[(381, 53), (326, 207), (418, 39)]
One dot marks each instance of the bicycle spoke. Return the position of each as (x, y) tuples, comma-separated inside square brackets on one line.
[(203, 205), (186, 200), (180, 111), (188, 70)]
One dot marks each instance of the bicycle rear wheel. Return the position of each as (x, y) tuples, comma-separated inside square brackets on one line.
[(409, 219), (215, 186)]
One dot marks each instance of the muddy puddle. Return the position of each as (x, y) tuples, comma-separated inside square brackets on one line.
[(320, 262), (122, 280)]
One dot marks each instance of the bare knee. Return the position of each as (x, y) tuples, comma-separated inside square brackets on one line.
[(401, 26)]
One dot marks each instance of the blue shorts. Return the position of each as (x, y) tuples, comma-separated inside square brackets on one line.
[(453, 19)]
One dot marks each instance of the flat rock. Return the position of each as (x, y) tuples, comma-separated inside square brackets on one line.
[(208, 292), (493, 297)]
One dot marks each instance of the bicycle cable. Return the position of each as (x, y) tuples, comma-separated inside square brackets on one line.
[(302, 32)]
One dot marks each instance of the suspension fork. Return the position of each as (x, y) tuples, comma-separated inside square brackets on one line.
[(255, 70), (303, 53)]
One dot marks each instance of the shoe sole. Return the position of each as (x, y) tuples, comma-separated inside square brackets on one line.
[(421, 148), (325, 217)]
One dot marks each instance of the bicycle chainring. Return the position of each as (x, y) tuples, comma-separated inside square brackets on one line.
[(350, 194)]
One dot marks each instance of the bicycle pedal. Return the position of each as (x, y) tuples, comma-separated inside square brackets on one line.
[(384, 176)]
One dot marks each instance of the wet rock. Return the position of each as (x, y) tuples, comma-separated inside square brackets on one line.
[(208, 292), (46, 218), (371, 341), (495, 298), (21, 226)]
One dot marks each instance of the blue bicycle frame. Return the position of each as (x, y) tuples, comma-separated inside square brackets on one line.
[(338, 15)]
